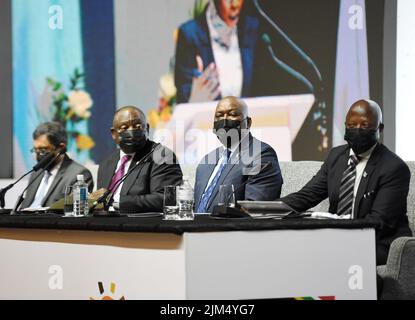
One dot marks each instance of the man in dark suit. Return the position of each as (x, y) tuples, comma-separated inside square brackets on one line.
[(221, 37), (49, 186), (143, 190), (363, 180), (243, 159)]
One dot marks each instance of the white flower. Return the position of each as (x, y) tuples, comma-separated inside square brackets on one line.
[(80, 102), (167, 87)]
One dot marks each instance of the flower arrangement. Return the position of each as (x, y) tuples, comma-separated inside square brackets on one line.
[(72, 109), (167, 101)]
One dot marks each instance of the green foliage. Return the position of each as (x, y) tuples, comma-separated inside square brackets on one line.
[(199, 8)]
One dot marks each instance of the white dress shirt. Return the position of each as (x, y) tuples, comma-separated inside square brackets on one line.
[(44, 186), (360, 169), (227, 59), (221, 161), (127, 166)]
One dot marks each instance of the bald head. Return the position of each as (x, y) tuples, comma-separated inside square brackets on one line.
[(365, 114), (128, 118), (363, 125), (231, 108), (128, 112)]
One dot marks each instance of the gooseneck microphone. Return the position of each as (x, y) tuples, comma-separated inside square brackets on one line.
[(290, 42), (110, 193), (224, 211), (320, 115), (285, 66), (42, 165)]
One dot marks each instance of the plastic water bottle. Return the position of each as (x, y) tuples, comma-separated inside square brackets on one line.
[(185, 200), (80, 197)]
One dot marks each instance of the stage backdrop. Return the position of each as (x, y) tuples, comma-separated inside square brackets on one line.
[(63, 70), (344, 38), (76, 61)]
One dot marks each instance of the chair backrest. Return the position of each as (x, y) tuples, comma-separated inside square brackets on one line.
[(296, 174), (411, 197), (189, 172), (93, 168)]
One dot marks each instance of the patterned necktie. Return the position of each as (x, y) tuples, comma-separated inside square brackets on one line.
[(206, 196), (115, 181), (347, 188), (41, 191)]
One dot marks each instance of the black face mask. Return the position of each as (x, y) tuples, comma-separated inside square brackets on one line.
[(228, 131), (41, 156), (132, 141), (361, 140)]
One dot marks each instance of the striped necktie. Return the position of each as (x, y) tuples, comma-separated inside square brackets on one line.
[(209, 191), (347, 188)]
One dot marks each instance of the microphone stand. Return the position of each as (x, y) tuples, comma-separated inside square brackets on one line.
[(104, 197), (285, 66), (224, 211), (320, 116), (45, 167), (3, 191)]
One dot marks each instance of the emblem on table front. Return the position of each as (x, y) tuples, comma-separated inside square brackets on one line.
[(101, 289)]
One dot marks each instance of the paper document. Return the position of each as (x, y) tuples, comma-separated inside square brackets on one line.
[(328, 215)]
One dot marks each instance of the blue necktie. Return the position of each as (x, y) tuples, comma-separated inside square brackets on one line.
[(206, 196), (42, 190)]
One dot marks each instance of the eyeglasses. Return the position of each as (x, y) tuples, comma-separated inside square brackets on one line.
[(40, 150)]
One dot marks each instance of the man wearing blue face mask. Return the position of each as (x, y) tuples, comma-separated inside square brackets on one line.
[(363, 179), (248, 164), (142, 190)]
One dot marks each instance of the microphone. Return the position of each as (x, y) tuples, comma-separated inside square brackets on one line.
[(223, 211), (320, 116), (42, 165), (44, 162), (4, 191), (103, 198), (285, 66)]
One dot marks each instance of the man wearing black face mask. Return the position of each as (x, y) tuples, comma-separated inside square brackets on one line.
[(49, 186), (363, 179), (143, 190), (242, 157)]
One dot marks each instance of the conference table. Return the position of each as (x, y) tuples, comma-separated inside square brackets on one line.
[(143, 257)]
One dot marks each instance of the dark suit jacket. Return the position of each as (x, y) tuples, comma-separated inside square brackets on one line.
[(381, 195), (66, 176), (194, 39), (265, 185), (143, 190)]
